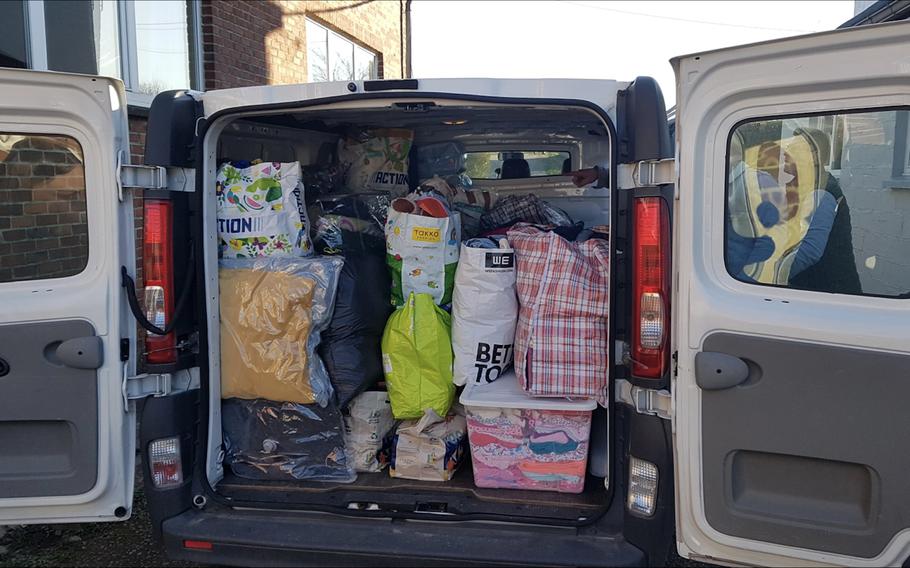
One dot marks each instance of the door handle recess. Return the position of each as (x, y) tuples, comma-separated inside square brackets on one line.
[(716, 371), (81, 352)]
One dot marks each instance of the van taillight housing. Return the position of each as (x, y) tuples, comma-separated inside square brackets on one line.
[(650, 288), (158, 275)]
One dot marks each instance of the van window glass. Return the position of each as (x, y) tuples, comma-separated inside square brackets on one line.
[(43, 224), (514, 164), (820, 203)]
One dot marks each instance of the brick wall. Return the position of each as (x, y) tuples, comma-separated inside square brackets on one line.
[(138, 127), (43, 225), (250, 42)]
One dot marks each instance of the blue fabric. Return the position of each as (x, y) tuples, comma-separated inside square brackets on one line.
[(813, 244)]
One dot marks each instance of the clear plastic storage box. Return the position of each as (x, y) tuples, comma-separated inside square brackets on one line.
[(522, 442)]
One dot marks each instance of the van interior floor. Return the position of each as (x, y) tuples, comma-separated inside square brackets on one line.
[(459, 496)]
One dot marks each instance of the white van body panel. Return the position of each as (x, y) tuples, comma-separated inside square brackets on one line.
[(91, 110), (865, 68), (600, 92)]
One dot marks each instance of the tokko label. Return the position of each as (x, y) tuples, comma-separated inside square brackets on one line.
[(425, 235)]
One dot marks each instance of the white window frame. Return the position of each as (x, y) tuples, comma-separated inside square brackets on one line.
[(129, 61), (374, 73)]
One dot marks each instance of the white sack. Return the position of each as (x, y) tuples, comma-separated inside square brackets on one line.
[(484, 313)]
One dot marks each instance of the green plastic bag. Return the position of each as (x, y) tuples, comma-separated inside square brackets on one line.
[(417, 358)]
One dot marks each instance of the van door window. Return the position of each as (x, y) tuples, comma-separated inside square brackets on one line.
[(43, 223), (820, 203)]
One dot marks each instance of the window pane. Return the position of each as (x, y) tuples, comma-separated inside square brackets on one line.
[(107, 39), (317, 61), (515, 164), (163, 46), (70, 36), (364, 64), (799, 217), (13, 51), (43, 225), (341, 58)]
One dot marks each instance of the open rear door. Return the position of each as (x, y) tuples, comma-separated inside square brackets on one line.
[(67, 440), (792, 305)]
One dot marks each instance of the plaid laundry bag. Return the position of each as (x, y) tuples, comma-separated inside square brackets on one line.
[(561, 345)]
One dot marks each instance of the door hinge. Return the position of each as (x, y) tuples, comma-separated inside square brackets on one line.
[(647, 173), (146, 385), (134, 176), (645, 401)]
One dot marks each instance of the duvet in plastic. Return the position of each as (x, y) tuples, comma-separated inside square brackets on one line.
[(273, 310)]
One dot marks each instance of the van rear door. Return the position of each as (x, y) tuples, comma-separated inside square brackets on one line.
[(67, 436), (792, 306)]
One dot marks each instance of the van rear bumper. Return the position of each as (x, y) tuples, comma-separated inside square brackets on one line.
[(268, 538)]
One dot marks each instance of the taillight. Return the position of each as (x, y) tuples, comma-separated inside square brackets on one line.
[(158, 274), (165, 463), (650, 288)]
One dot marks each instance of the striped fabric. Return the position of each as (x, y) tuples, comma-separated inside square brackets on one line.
[(563, 287)]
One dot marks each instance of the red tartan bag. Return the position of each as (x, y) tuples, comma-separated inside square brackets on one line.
[(563, 288)]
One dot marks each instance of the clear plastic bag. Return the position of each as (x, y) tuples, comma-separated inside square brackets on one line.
[(282, 440), (351, 221), (273, 310)]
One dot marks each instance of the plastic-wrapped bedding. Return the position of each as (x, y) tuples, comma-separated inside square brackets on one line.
[(285, 441), (273, 310)]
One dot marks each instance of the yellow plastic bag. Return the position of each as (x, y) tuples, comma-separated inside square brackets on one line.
[(417, 358)]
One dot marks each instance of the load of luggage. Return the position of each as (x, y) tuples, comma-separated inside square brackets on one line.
[(416, 329)]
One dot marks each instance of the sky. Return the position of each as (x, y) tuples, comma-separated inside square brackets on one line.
[(597, 40)]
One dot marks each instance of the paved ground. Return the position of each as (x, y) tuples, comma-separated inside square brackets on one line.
[(104, 544)]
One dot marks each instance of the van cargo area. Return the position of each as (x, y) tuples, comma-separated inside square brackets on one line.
[(550, 140)]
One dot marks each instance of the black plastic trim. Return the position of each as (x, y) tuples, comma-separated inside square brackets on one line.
[(390, 85), (170, 138), (201, 484), (166, 417)]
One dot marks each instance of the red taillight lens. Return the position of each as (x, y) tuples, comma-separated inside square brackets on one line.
[(198, 545), (158, 273), (650, 288)]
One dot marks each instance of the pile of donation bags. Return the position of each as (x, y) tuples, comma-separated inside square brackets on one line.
[(344, 342)]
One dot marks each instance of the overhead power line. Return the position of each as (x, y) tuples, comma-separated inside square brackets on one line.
[(688, 20)]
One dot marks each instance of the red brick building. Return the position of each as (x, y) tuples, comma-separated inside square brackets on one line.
[(153, 47)]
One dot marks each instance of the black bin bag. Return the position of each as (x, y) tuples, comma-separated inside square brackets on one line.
[(350, 347)]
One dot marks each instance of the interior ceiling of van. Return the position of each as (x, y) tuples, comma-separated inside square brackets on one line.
[(453, 122)]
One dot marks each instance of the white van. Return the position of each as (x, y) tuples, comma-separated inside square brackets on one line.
[(761, 372)]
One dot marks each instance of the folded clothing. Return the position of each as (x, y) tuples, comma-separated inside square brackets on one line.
[(283, 440)]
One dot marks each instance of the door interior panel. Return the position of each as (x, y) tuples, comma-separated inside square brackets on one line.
[(48, 412), (803, 451)]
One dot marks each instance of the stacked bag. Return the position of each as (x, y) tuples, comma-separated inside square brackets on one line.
[(278, 415)]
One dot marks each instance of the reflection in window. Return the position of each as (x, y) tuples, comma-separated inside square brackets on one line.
[(163, 46), (43, 224), (13, 48), (809, 204), (331, 57), (516, 164)]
